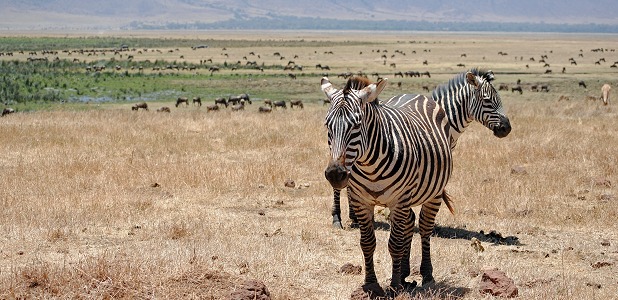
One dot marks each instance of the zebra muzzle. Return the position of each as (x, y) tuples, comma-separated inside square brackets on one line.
[(503, 128), (337, 175)]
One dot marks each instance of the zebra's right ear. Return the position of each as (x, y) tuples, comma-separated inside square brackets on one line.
[(471, 80), (327, 87), (371, 92)]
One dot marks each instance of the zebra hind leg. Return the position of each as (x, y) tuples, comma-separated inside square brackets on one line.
[(426, 224)]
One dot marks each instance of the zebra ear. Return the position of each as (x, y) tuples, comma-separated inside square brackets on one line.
[(327, 87), (489, 75), (370, 93), (471, 80)]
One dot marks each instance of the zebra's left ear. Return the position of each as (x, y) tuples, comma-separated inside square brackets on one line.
[(371, 92), (471, 80)]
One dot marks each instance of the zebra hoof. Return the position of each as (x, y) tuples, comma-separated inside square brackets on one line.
[(337, 225), (409, 286), (427, 282), (354, 225)]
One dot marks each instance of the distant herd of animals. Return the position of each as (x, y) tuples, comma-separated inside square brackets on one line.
[(236, 103)]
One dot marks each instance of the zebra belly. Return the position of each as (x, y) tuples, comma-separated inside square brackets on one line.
[(380, 193)]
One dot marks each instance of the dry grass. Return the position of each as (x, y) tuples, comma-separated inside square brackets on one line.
[(120, 204)]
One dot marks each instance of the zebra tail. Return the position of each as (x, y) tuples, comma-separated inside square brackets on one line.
[(449, 202)]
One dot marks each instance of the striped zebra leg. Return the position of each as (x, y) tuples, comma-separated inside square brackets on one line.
[(336, 211), (399, 244), (426, 223), (367, 239)]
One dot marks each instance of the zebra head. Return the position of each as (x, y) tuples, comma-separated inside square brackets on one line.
[(346, 126), (486, 105)]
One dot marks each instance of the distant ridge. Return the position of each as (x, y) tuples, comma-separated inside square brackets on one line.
[(580, 16)]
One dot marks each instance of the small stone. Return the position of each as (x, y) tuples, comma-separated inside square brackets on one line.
[(518, 170), (289, 183)]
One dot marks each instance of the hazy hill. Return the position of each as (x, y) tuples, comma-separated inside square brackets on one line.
[(112, 14)]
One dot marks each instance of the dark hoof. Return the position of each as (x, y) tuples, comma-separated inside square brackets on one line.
[(369, 291), (409, 286), (428, 282), (354, 225), (405, 287), (337, 225)]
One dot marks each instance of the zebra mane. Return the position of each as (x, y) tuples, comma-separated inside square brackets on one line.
[(460, 79), (356, 83)]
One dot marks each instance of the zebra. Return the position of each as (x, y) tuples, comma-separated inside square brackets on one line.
[(394, 154), (467, 97)]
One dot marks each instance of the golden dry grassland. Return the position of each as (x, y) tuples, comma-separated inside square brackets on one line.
[(117, 204)]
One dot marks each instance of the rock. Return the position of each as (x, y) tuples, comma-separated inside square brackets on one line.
[(518, 170), (351, 269), (289, 183), (496, 283), (249, 290)]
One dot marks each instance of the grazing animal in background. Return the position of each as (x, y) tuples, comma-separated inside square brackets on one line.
[(582, 83), (279, 104), (180, 100), (544, 88), (605, 93), (268, 102), (197, 100), (517, 88), (221, 100), (240, 106), (393, 154), (164, 109), (503, 87), (297, 103), (7, 110), (265, 109), (236, 99), (139, 105), (213, 107)]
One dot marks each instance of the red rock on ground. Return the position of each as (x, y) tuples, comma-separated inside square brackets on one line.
[(251, 290), (496, 283)]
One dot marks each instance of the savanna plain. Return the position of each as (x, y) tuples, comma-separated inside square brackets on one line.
[(103, 202)]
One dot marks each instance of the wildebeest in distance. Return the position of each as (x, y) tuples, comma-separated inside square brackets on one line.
[(221, 100), (180, 100), (297, 103), (164, 109), (197, 100), (139, 105), (280, 103)]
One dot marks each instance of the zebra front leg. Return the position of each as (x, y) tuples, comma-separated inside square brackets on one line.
[(426, 223), (352, 215), (336, 210), (367, 240), (399, 244)]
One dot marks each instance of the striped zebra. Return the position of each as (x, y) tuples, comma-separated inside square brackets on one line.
[(394, 154), (467, 97)]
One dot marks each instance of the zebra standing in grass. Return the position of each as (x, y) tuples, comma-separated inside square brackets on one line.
[(467, 97), (396, 155)]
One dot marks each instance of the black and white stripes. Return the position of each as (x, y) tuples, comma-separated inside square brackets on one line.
[(396, 155)]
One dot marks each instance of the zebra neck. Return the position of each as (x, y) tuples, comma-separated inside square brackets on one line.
[(455, 100), (377, 131)]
